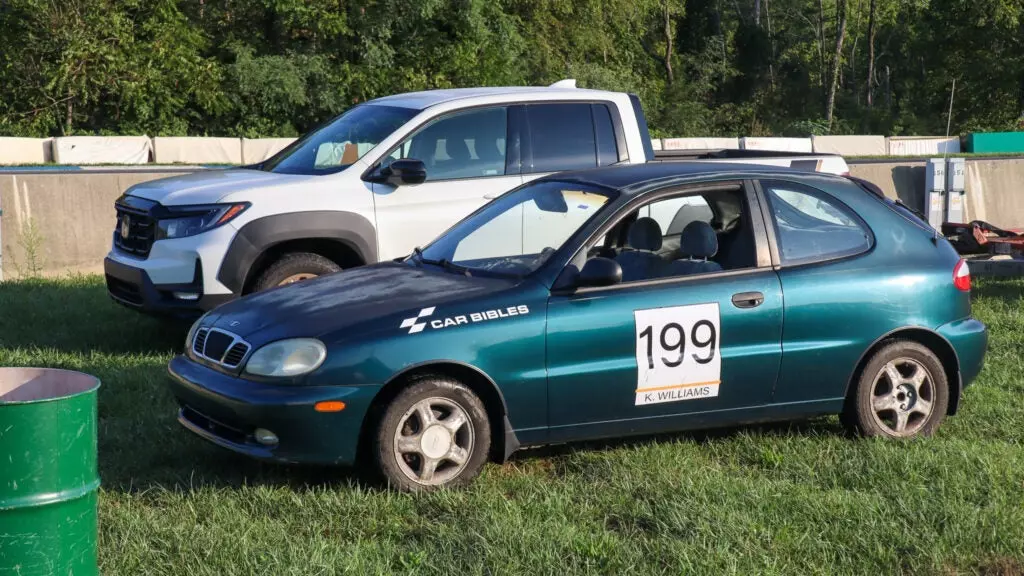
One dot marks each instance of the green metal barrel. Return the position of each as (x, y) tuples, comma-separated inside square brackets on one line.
[(48, 479)]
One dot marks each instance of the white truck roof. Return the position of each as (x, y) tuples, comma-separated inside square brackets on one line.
[(420, 100)]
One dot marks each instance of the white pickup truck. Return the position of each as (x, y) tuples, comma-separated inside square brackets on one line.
[(370, 185)]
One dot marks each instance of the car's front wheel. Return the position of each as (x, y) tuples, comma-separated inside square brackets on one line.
[(434, 433), (902, 392)]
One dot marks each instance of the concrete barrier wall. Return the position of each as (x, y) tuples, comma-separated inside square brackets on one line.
[(777, 144), (995, 188), (849, 145), (73, 211), (191, 150), (922, 145), (78, 150), (701, 143), (26, 150)]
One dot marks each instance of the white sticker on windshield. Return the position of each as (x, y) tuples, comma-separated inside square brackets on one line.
[(677, 353)]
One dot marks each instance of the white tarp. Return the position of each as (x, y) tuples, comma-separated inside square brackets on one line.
[(74, 150), (259, 149), (923, 145), (701, 143), (25, 150), (196, 150), (777, 144), (849, 145)]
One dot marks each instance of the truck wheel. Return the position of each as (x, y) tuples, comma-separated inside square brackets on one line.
[(434, 433), (294, 267), (902, 393)]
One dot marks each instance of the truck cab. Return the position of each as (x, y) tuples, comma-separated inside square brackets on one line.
[(370, 185)]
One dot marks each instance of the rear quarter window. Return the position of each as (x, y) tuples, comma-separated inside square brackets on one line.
[(811, 226)]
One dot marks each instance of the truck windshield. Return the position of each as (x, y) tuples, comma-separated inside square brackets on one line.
[(517, 233), (337, 144)]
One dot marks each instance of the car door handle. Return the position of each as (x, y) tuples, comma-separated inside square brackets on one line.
[(747, 299)]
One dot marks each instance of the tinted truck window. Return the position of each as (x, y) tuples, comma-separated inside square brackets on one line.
[(562, 137)]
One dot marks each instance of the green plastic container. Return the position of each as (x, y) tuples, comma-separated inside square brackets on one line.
[(48, 479), (995, 142)]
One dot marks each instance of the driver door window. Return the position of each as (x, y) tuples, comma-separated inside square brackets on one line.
[(464, 145)]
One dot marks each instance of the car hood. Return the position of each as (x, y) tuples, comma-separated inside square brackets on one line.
[(361, 298), (209, 186)]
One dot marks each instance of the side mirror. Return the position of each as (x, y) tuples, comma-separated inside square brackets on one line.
[(405, 171), (600, 271)]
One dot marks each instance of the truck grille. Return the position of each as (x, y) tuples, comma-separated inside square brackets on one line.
[(220, 347), (136, 228)]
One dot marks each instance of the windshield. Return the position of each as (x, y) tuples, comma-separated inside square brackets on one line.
[(339, 143), (515, 234)]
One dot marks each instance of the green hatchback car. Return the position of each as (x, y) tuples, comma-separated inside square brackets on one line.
[(603, 303)]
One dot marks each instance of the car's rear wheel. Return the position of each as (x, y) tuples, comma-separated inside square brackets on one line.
[(901, 393), (294, 267), (434, 433)]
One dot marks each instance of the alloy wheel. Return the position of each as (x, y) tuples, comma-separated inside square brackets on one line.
[(434, 441), (902, 396)]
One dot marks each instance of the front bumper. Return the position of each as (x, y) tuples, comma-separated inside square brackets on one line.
[(226, 411), (134, 288)]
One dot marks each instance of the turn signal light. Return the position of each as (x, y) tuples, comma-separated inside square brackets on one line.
[(329, 406)]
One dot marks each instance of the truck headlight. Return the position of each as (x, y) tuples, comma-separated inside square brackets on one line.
[(285, 358), (182, 221)]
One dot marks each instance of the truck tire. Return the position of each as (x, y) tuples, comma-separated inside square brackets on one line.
[(434, 434), (294, 267)]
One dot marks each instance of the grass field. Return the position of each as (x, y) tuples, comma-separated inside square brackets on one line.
[(787, 499)]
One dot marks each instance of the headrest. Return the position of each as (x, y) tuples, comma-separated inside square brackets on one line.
[(698, 240), (487, 149), (645, 234), (457, 149)]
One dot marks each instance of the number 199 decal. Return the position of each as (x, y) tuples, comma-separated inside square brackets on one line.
[(677, 353)]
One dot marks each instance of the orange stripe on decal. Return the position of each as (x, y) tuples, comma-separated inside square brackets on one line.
[(674, 386)]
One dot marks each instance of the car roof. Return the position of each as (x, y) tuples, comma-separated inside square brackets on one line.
[(637, 178), (427, 98)]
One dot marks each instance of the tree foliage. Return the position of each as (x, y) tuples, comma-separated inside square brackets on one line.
[(701, 67)]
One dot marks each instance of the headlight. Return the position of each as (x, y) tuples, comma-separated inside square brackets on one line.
[(287, 358), (191, 220)]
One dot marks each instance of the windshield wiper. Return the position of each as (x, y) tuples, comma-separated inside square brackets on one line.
[(443, 262)]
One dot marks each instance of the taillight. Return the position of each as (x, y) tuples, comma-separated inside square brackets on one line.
[(962, 276)]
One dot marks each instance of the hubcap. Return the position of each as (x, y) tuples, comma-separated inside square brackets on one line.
[(902, 396), (297, 278), (433, 441)]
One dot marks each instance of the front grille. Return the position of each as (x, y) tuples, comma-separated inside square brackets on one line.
[(135, 231), (217, 344), (200, 342), (235, 354), (220, 347)]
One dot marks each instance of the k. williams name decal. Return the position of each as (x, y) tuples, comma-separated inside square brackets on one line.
[(422, 320)]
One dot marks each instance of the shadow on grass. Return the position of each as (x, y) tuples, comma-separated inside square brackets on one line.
[(1008, 290), (75, 314)]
